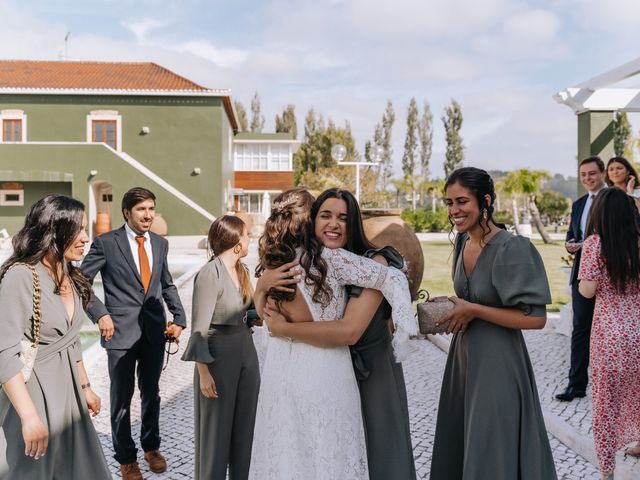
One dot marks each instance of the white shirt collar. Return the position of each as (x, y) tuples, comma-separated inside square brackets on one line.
[(132, 235)]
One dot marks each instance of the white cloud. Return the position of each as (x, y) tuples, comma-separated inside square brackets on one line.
[(223, 57), (142, 27)]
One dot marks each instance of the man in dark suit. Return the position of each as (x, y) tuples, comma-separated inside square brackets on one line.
[(133, 264), (592, 177)]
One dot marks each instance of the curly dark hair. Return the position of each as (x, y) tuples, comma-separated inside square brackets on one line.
[(480, 183), (284, 232), (357, 242), (50, 227)]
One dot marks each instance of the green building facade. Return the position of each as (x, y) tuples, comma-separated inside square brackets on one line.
[(96, 143)]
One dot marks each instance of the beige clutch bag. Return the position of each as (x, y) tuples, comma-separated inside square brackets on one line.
[(431, 312)]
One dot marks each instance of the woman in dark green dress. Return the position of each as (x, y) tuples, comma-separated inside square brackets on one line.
[(490, 423), (365, 327)]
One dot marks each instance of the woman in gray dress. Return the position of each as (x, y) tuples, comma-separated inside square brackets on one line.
[(365, 328), (50, 412), (490, 423), (227, 376)]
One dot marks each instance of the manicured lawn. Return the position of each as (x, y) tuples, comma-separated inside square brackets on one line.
[(437, 272)]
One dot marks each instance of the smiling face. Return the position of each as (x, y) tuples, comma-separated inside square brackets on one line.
[(75, 250), (617, 173), (140, 217), (463, 207), (331, 223), (591, 177)]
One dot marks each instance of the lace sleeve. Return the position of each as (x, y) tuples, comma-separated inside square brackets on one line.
[(351, 269)]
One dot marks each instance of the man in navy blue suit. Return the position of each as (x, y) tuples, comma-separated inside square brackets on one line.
[(592, 177), (133, 263)]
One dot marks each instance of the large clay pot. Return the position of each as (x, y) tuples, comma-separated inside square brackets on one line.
[(385, 227), (159, 225), (103, 223)]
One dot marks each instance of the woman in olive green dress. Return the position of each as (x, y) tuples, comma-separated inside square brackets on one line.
[(490, 423), (46, 420)]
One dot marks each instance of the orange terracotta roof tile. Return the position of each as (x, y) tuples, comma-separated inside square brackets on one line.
[(29, 74)]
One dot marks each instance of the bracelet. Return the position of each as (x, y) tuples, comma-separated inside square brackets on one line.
[(85, 385)]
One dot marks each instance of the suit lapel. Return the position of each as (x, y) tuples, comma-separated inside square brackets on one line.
[(157, 260), (125, 248), (580, 233)]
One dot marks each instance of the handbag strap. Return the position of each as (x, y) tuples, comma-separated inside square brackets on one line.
[(36, 319)]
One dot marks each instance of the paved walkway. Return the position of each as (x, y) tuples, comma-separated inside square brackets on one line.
[(423, 371)]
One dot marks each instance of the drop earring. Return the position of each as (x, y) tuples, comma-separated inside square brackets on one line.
[(485, 214)]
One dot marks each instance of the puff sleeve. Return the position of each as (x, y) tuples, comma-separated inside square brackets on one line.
[(519, 277), (591, 265), (16, 305), (352, 269), (206, 287)]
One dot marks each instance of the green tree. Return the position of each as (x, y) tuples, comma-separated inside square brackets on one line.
[(452, 120), (425, 132), (552, 205), (383, 137), (243, 124), (410, 179), (287, 123), (257, 119), (526, 184), (621, 133)]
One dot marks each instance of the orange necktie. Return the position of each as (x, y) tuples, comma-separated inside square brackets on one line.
[(145, 271)]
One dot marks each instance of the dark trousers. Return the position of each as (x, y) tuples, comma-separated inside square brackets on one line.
[(580, 338), (144, 359)]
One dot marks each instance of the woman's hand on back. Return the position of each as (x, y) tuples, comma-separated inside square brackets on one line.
[(283, 278)]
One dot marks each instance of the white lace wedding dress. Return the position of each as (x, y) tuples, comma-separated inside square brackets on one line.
[(308, 423)]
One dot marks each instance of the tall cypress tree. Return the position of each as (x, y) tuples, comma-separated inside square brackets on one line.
[(257, 119), (384, 134), (425, 132), (287, 123), (243, 124), (621, 133), (452, 120), (409, 155)]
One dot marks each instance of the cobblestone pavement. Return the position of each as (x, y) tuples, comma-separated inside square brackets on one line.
[(423, 371)]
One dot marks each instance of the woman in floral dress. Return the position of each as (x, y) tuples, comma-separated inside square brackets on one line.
[(610, 270)]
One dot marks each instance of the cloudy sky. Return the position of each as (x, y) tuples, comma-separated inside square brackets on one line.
[(501, 59)]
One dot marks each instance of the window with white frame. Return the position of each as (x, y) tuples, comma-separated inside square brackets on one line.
[(262, 156), (13, 126), (105, 126), (11, 198)]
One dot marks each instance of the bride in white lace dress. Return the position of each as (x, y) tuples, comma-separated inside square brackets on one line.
[(308, 422)]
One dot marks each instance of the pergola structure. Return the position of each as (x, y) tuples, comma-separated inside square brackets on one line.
[(594, 102)]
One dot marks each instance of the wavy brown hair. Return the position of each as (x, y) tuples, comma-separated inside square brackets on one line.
[(614, 217), (224, 234), (50, 228), (284, 232)]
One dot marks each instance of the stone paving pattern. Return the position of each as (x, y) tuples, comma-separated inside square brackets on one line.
[(423, 371)]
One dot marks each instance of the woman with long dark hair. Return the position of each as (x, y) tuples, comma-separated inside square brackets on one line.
[(610, 271), (365, 328), (50, 412), (309, 421), (490, 423), (227, 376)]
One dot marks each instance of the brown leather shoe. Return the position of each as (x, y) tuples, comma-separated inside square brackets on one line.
[(131, 471), (157, 463)]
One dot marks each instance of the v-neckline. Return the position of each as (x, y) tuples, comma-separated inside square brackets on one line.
[(74, 294), (236, 288), (464, 246)]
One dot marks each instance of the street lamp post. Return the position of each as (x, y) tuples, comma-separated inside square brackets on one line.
[(338, 152)]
